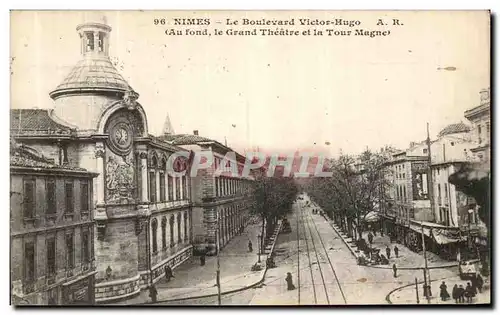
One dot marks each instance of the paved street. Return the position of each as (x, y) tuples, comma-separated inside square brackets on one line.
[(322, 267)]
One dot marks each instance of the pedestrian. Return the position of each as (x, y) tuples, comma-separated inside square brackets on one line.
[(168, 273), (370, 238), (396, 251), (473, 282), (250, 248), (395, 270), (202, 259), (153, 293), (469, 292), (289, 281), (480, 283), (444, 292), (388, 252), (461, 294), (454, 293)]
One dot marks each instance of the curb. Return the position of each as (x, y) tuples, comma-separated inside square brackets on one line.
[(343, 239), (388, 296), (226, 292)]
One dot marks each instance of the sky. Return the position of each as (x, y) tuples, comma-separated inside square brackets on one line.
[(277, 93)]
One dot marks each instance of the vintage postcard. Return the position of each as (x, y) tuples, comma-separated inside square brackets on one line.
[(250, 158)]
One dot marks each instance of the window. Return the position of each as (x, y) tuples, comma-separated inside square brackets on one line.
[(451, 143), (101, 41), (68, 189), (170, 187), (152, 186), (446, 192), (51, 256), (479, 133), (177, 188), (172, 231), (90, 41), (439, 193), (217, 186), (164, 233), (50, 189), (487, 131), (154, 231), (84, 197), (29, 265), (70, 253), (85, 246), (404, 193), (424, 151), (29, 199), (404, 175), (162, 186), (184, 187), (185, 226), (179, 236)]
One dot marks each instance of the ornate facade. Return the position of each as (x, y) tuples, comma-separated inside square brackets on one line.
[(142, 215)]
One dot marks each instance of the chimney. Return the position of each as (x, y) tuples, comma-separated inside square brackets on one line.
[(195, 132), (412, 144)]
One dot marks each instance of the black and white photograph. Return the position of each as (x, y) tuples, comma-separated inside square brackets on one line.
[(250, 158)]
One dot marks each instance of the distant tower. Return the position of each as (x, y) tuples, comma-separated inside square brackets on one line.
[(167, 127)]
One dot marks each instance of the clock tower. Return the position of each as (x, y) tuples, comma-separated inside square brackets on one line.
[(110, 138)]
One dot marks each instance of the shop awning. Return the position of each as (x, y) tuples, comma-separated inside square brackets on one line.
[(372, 216), (441, 234)]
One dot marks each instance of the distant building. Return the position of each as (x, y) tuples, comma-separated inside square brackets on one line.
[(480, 117), (51, 230), (452, 149)]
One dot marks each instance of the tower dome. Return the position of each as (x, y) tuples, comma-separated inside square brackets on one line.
[(94, 73)]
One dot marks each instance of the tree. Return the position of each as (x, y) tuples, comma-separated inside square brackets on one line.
[(274, 197), (353, 190)]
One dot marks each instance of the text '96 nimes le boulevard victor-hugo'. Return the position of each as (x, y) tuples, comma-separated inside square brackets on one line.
[(275, 27)]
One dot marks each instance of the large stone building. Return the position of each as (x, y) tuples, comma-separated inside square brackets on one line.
[(142, 214), (145, 216), (221, 200), (51, 229)]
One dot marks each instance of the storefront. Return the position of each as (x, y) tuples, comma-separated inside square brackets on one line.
[(79, 291)]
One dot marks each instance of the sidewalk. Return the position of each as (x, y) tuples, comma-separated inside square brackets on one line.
[(407, 295), (407, 258), (193, 280)]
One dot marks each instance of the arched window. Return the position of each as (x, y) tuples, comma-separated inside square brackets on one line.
[(179, 236), (171, 222), (163, 167), (154, 231), (152, 179), (164, 232)]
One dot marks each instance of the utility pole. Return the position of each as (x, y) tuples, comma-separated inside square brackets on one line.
[(430, 182), (426, 270), (298, 249), (217, 236)]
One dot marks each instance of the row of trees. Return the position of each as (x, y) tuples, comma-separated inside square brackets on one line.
[(358, 185), (274, 197)]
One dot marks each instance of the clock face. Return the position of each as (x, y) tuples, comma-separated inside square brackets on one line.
[(120, 136)]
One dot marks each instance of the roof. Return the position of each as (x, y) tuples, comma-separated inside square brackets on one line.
[(22, 156), (35, 121), (454, 128), (92, 74)]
